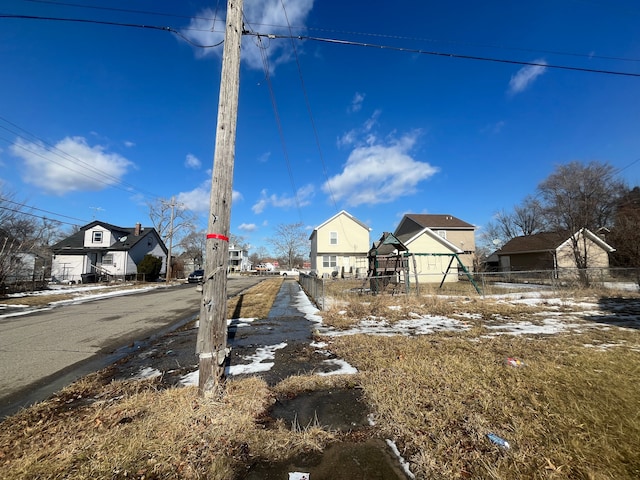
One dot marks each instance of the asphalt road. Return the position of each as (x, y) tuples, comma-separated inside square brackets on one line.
[(43, 351)]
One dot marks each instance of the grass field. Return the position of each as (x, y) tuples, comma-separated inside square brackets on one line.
[(571, 411)]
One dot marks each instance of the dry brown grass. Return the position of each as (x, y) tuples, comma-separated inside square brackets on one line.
[(42, 299), (93, 430), (572, 412), (255, 302)]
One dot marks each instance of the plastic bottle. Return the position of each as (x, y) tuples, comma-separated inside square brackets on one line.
[(501, 442)]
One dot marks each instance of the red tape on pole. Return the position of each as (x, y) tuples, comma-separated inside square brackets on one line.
[(217, 237)]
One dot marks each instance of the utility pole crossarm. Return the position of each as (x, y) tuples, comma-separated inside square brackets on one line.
[(212, 332)]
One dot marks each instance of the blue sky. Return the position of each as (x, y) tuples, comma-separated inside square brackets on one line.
[(378, 132)]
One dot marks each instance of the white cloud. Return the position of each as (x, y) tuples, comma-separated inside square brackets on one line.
[(72, 165), (361, 135), (379, 173), (191, 161), (129, 144), (257, 14), (247, 227), (356, 103), (197, 199), (302, 198), (526, 76)]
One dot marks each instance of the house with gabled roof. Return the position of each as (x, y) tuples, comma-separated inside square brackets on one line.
[(340, 244), (102, 250), (553, 251), (433, 239)]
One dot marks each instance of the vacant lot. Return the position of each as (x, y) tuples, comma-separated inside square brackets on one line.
[(434, 370)]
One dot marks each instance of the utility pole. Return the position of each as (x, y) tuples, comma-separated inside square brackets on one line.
[(212, 332), (169, 269)]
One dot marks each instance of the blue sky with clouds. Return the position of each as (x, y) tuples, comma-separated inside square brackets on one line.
[(98, 120)]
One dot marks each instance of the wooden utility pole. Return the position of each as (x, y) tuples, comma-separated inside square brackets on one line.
[(212, 332), (169, 266)]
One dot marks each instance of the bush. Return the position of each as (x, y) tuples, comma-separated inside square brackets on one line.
[(150, 266)]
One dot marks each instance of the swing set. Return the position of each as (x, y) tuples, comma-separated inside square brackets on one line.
[(389, 263)]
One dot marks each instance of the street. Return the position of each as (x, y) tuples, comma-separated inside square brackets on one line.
[(43, 351)]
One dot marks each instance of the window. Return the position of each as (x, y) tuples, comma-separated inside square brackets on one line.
[(107, 259), (443, 233), (329, 261), (333, 238), (97, 237)]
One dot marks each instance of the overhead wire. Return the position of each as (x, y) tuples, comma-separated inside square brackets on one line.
[(115, 24), (312, 120), (448, 54), (116, 181), (274, 104), (347, 32), (6, 200)]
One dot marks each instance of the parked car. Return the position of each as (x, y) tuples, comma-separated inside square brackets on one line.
[(292, 272), (196, 276)]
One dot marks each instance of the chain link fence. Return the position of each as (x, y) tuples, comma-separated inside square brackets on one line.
[(480, 283)]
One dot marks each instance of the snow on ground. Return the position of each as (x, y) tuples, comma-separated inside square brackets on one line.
[(82, 293)]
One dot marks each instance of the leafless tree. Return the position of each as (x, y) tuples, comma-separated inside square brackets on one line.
[(193, 245), (22, 232), (526, 219), (625, 234), (578, 196), (160, 214), (290, 242)]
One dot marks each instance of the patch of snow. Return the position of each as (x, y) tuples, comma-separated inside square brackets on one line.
[(258, 361), (147, 372), (240, 322), (319, 344), (304, 306), (344, 368), (549, 326), (403, 463), (422, 326)]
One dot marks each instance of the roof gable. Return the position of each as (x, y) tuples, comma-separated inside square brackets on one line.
[(125, 236), (547, 242), (342, 212)]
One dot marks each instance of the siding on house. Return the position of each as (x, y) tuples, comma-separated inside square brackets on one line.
[(341, 241), (437, 233), (553, 250), (106, 250)]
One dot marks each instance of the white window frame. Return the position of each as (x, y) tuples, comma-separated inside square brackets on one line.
[(333, 238), (97, 236), (329, 261)]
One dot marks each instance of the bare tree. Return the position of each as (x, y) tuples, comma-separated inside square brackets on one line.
[(193, 245), (290, 242), (625, 234), (526, 219), (22, 232), (171, 219), (578, 196)]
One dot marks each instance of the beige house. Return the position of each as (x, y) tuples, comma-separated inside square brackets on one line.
[(553, 251), (432, 240), (342, 242)]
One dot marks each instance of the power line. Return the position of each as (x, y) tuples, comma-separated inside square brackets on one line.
[(336, 31), (116, 24), (36, 216), (445, 54), (39, 209)]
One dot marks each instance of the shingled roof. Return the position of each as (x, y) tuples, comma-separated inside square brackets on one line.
[(126, 238), (539, 242), (439, 221)]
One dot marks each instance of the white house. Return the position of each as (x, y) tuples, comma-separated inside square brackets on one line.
[(100, 249)]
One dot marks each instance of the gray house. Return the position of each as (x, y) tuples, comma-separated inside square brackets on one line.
[(102, 250)]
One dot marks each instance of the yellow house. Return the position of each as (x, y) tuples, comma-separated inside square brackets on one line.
[(433, 239), (342, 242)]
